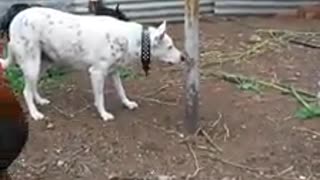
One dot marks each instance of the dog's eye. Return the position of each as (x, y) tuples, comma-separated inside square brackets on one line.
[(170, 47)]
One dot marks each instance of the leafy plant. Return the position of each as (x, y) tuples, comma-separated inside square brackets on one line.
[(126, 73), (308, 112), (16, 79), (249, 85)]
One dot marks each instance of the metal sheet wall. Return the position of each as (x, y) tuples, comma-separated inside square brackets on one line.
[(258, 7), (58, 4), (148, 10), (173, 10)]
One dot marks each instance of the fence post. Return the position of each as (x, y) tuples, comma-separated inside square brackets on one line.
[(191, 25)]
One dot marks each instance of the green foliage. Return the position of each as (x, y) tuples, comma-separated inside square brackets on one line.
[(16, 79), (249, 85), (305, 113), (52, 77), (126, 73)]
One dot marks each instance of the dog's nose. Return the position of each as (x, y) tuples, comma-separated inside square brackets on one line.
[(183, 57)]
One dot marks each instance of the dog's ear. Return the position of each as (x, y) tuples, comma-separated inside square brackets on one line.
[(117, 7), (161, 30)]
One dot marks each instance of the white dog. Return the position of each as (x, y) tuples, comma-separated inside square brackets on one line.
[(98, 44)]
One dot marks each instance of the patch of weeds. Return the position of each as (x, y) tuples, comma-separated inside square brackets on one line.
[(305, 113), (127, 73), (16, 80), (249, 85), (52, 78), (308, 111)]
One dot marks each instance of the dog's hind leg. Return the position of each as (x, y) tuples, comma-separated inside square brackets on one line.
[(97, 79), (121, 92), (30, 66), (30, 70)]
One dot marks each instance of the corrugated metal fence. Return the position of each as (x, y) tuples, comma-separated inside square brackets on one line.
[(148, 10), (173, 10), (258, 7), (58, 4)]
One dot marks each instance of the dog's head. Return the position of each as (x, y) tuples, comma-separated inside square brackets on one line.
[(163, 47)]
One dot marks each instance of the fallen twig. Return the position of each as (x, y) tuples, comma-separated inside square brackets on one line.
[(196, 164), (306, 44), (307, 130), (283, 172), (212, 126), (283, 31), (80, 110), (227, 135), (160, 177), (217, 121), (158, 90), (62, 112), (237, 165), (211, 142), (166, 131), (240, 78), (239, 56), (300, 91), (157, 101), (300, 99)]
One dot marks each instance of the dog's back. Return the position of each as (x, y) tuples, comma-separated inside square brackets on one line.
[(64, 37)]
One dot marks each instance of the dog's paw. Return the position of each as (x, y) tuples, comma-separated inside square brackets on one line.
[(107, 116), (42, 101), (36, 115), (131, 105)]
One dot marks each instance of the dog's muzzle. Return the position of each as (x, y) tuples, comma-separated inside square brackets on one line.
[(183, 57)]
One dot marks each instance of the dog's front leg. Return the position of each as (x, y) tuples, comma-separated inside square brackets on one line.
[(121, 92), (97, 79)]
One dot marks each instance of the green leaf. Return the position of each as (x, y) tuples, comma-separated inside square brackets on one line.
[(305, 113), (250, 86)]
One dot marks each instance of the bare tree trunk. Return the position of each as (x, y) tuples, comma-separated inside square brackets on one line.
[(192, 70)]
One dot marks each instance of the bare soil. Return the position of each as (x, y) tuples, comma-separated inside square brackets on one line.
[(258, 134)]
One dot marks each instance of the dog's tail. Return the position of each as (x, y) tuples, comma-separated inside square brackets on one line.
[(7, 18), (4, 63)]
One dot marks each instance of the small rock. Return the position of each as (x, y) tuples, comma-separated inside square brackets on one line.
[(226, 178), (181, 135), (50, 126), (302, 177), (162, 177), (255, 38), (60, 163), (243, 126), (297, 74), (284, 148), (113, 176), (59, 151)]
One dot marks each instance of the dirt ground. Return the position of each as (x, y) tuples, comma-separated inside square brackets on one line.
[(257, 134)]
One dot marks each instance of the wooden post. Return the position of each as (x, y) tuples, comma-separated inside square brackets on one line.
[(192, 70)]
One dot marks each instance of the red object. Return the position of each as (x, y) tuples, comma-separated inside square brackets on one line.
[(13, 126), (1, 69), (1, 49)]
